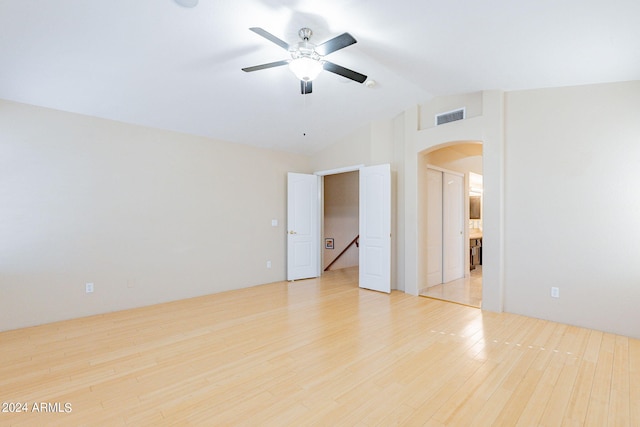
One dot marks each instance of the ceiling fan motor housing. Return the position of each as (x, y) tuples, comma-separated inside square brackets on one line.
[(305, 33), (305, 49)]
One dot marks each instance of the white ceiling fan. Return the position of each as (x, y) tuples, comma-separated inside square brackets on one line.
[(307, 59)]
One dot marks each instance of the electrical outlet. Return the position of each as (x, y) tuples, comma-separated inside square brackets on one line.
[(268, 264), (555, 292), (88, 287)]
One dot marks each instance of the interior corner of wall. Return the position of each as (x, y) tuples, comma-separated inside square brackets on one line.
[(492, 100)]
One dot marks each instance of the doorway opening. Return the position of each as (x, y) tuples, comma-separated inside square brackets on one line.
[(450, 203), (374, 223), (304, 236), (340, 221)]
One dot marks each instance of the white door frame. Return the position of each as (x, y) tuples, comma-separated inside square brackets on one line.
[(339, 170), (322, 174)]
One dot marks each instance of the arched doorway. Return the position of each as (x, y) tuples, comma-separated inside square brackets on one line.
[(450, 237)]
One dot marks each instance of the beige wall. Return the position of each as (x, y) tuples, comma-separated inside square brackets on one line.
[(471, 102), (572, 205), (354, 149), (341, 222), (146, 215), (373, 144)]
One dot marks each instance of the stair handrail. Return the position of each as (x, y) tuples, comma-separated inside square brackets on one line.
[(355, 240)]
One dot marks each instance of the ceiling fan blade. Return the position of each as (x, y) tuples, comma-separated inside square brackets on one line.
[(306, 87), (267, 35), (344, 72), (265, 66), (335, 43)]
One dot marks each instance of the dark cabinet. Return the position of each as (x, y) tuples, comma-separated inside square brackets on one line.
[(475, 246)]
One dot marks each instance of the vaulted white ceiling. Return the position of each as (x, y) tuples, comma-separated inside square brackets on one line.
[(156, 63)]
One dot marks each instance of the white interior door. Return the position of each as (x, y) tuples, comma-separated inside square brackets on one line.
[(375, 228), (452, 227), (303, 226), (434, 227)]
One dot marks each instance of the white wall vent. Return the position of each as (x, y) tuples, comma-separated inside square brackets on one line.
[(450, 116)]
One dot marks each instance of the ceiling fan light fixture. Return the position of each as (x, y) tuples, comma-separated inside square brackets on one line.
[(305, 69)]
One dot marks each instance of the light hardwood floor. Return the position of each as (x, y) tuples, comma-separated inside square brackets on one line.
[(467, 290), (319, 352)]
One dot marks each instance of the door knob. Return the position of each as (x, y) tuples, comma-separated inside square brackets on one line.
[(292, 232)]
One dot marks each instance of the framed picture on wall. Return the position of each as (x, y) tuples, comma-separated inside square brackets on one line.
[(474, 207), (328, 243)]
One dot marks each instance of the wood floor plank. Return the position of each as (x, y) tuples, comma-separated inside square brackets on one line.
[(619, 412), (578, 404), (525, 353), (569, 351), (318, 352), (598, 410), (634, 382)]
